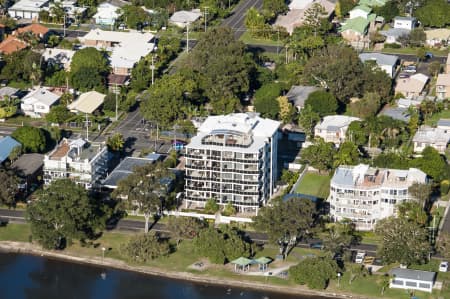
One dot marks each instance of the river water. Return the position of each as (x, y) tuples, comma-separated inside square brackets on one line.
[(32, 277)]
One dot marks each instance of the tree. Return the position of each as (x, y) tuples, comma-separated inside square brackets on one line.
[(413, 211), (434, 13), (59, 114), (367, 107), (64, 212), (221, 245), (229, 209), (376, 80), (145, 247), (417, 37), (272, 8), (347, 154), (134, 16), (432, 163), (320, 155), (384, 283), (443, 244), (287, 110), (434, 68), (184, 228), (144, 190), (223, 65), (308, 120), (32, 139), (357, 133), (285, 222), (8, 187), (340, 236), (315, 272), (162, 102), (88, 69), (421, 192), (338, 68), (15, 153), (266, 100), (314, 16), (115, 142), (403, 241), (254, 21), (211, 206), (388, 11), (22, 66), (322, 102), (344, 7)]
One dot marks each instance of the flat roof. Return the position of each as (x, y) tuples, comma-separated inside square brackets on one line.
[(413, 274), (27, 164), (124, 169)]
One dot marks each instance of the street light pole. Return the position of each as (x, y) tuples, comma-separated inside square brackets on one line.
[(103, 253), (117, 114), (152, 67), (206, 15)]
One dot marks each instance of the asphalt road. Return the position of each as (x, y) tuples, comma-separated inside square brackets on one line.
[(70, 33), (136, 226), (6, 130), (237, 18)]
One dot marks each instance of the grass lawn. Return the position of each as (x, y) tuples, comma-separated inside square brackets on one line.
[(432, 121), (369, 238), (413, 51), (15, 232), (248, 39), (314, 184)]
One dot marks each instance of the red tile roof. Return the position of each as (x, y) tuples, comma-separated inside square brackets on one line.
[(11, 45), (37, 29)]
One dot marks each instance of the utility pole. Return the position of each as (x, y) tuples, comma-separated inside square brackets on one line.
[(64, 25), (278, 40), (87, 128), (187, 37), (117, 104), (206, 15), (152, 67)]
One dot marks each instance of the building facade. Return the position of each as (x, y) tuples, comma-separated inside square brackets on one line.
[(232, 159), (84, 163), (333, 128), (365, 195)]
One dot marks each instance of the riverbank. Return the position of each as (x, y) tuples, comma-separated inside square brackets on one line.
[(28, 248)]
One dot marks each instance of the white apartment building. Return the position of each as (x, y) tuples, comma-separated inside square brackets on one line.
[(366, 195), (78, 160), (233, 159)]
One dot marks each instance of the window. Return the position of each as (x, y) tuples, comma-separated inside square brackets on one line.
[(397, 282), (424, 285), (411, 284)]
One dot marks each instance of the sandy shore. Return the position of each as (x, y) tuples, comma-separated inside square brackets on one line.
[(28, 248)]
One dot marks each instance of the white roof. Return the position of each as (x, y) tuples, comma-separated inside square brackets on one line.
[(421, 77), (87, 102), (427, 134), (117, 36), (336, 121), (58, 55), (299, 4), (184, 16), (106, 11), (41, 95), (29, 5)]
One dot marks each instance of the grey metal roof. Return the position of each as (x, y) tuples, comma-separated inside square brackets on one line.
[(298, 94), (28, 164), (413, 274), (343, 176), (396, 32), (405, 18), (7, 91), (398, 113), (380, 59)]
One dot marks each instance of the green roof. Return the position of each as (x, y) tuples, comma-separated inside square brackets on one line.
[(242, 261), (363, 8), (372, 3), (358, 24), (262, 260)]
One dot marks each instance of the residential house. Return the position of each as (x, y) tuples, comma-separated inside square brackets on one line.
[(183, 18), (409, 102), (398, 113), (8, 92), (366, 195), (295, 17), (115, 82), (443, 86), (27, 9), (7, 145), (360, 11), (437, 138), (387, 63), (232, 159), (333, 128), (412, 86), (407, 23), (107, 14), (126, 167), (58, 57), (36, 29), (73, 12), (78, 160), (298, 94), (437, 37), (394, 34), (355, 31), (29, 169), (127, 47), (38, 102), (409, 279), (12, 44), (87, 102)]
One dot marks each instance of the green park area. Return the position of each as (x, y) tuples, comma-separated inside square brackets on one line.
[(314, 184)]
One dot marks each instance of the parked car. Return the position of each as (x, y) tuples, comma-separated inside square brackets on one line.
[(428, 55), (443, 267), (403, 76), (359, 259), (410, 69), (316, 245)]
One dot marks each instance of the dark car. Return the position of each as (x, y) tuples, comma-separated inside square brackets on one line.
[(316, 246)]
